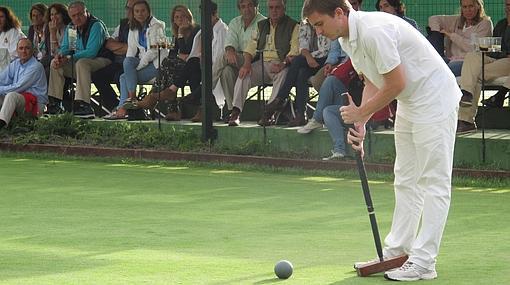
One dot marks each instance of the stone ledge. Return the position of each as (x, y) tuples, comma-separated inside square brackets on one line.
[(91, 151)]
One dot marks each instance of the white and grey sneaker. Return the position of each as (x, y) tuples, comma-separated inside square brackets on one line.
[(310, 126), (334, 155), (410, 272)]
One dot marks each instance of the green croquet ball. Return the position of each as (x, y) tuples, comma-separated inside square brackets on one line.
[(283, 269)]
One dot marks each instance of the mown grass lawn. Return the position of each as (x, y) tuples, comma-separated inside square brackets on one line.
[(71, 221)]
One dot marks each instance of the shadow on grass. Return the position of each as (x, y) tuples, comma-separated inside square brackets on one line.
[(361, 280), (269, 281), (24, 264)]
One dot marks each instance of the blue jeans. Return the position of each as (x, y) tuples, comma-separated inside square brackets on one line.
[(333, 122), (131, 77), (456, 67), (297, 76), (329, 94)]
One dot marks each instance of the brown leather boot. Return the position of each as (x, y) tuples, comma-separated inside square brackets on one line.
[(265, 120), (173, 116), (275, 106), (198, 116), (148, 102), (234, 121), (299, 120), (174, 113), (167, 95)]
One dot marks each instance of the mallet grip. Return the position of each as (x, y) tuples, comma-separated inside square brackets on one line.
[(345, 102)]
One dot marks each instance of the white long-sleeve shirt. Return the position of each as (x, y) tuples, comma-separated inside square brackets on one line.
[(9, 40)]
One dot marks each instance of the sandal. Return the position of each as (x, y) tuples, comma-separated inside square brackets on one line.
[(130, 104), (116, 116)]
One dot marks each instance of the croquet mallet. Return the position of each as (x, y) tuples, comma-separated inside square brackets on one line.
[(383, 264)]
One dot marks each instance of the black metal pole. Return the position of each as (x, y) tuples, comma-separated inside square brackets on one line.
[(71, 89), (208, 131), (72, 50), (158, 82), (263, 98), (483, 107)]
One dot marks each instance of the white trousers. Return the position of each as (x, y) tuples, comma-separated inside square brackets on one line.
[(423, 172), (14, 102), (242, 86)]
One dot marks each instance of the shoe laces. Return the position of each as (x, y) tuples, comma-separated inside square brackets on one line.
[(408, 266)]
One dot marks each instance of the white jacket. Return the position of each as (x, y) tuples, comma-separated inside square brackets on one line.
[(155, 31), (9, 40)]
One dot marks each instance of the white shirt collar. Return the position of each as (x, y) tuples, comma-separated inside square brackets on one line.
[(353, 28)]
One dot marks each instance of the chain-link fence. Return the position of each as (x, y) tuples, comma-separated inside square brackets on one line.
[(112, 11)]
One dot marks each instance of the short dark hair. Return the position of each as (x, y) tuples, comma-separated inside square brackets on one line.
[(255, 3), (25, 39), (214, 8), (327, 7), (77, 3), (397, 4)]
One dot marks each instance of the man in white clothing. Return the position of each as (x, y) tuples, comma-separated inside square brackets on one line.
[(396, 61), (219, 29)]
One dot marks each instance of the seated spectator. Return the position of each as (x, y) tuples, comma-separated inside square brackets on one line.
[(334, 57), (22, 85), (57, 18), (118, 45), (329, 94), (240, 31), (455, 35), (397, 8), (342, 79), (278, 37), (336, 131), (141, 63), (496, 65), (10, 31), (314, 51), (85, 53), (37, 31), (219, 29), (178, 68)]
